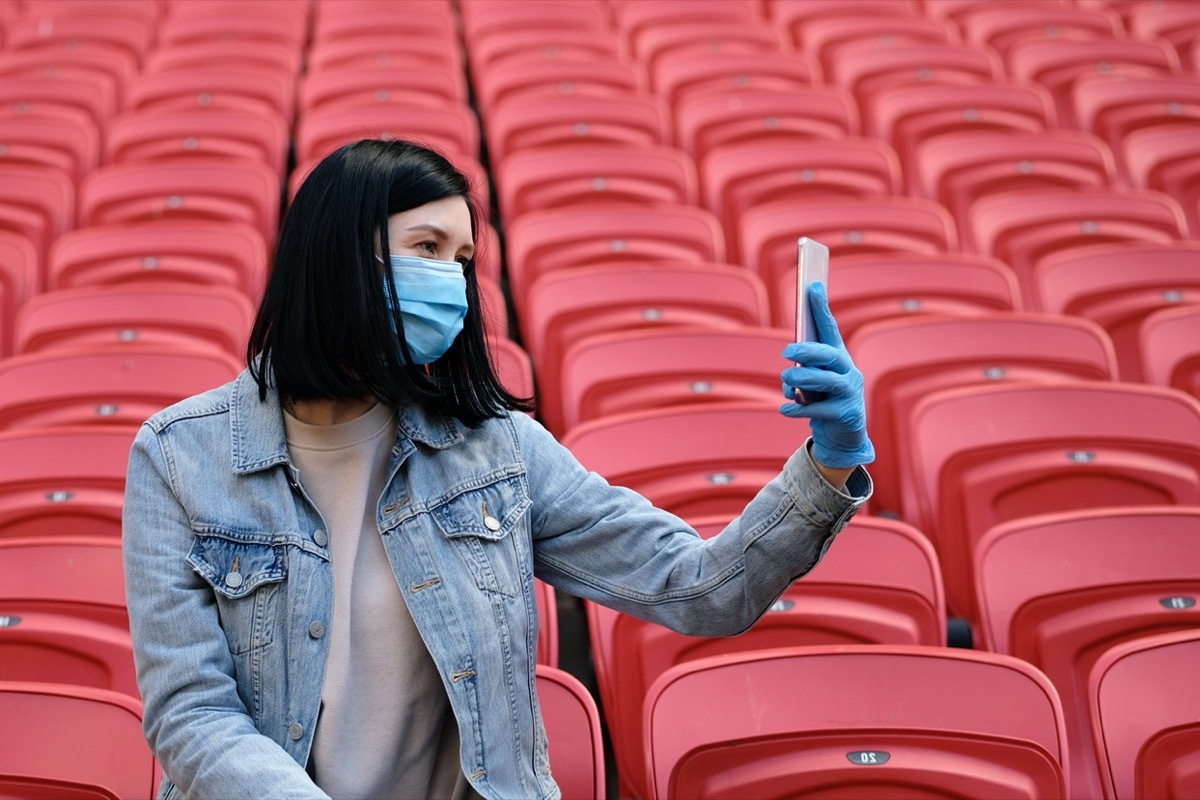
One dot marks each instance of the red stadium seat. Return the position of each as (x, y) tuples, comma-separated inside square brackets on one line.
[(554, 239), (1003, 25), (247, 24), (73, 743), (48, 29), (863, 68), (849, 226), (1057, 63), (105, 386), (384, 86), (680, 75), (863, 721), (739, 177), (547, 611), (658, 454), (566, 306), (503, 83), (958, 169), (906, 359), (20, 278), (482, 19), (347, 23), (545, 121), (247, 88), (78, 95), (226, 134), (380, 50), (76, 59), (877, 584), (235, 191), (985, 454), (1024, 227), (765, 115), (632, 370), (513, 366), (188, 251), (38, 203), (798, 17), (913, 114), (865, 289), (1176, 23), (63, 481), (1114, 106), (640, 18), (1099, 283), (1167, 158), (587, 174), (451, 128), (823, 35), (134, 315), (71, 147), (1170, 348), (573, 734), (708, 36), (63, 597), (1144, 708), (545, 44), (274, 57), (1102, 576)]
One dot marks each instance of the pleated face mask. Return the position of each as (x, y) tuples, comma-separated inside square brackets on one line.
[(432, 297)]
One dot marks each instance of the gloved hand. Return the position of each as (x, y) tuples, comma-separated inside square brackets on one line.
[(839, 420)]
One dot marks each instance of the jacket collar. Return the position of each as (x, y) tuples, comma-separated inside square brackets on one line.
[(258, 439)]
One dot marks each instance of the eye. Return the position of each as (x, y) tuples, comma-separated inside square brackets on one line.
[(428, 247)]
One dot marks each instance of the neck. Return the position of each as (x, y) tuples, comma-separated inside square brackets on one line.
[(328, 412)]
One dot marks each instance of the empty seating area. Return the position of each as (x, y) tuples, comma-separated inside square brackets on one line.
[(1010, 191)]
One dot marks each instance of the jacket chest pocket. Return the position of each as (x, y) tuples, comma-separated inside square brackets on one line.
[(488, 529), (246, 578)]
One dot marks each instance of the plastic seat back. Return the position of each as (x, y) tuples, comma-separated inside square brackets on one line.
[(1098, 284), (639, 369), (1144, 709), (63, 602), (237, 191), (658, 453), (73, 742), (1170, 348), (188, 251), (1167, 158), (866, 289), (181, 315), (554, 239), (450, 128), (20, 277), (1102, 576), (885, 722), (105, 386), (878, 583), (1023, 227), (63, 481), (986, 454), (573, 733), (903, 360)]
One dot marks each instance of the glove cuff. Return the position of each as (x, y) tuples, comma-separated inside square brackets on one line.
[(844, 459)]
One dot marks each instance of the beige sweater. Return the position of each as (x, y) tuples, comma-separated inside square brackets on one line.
[(385, 729)]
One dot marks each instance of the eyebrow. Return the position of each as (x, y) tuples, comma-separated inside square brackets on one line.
[(436, 231)]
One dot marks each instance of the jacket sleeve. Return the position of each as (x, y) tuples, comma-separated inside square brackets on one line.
[(197, 726), (610, 545)]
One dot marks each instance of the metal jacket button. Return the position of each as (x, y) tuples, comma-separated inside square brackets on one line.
[(295, 730), (316, 629), (320, 537), (491, 523), (233, 580)]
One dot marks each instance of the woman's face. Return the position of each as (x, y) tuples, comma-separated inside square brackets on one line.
[(440, 230)]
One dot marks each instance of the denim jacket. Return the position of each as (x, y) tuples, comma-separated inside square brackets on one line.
[(230, 594)]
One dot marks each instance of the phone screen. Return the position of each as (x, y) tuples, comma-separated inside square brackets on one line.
[(812, 264)]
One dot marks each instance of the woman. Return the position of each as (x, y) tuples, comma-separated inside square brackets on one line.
[(329, 561)]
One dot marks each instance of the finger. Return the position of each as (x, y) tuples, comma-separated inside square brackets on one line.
[(827, 329), (814, 380), (817, 354)]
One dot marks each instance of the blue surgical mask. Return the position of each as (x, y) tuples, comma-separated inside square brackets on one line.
[(433, 304)]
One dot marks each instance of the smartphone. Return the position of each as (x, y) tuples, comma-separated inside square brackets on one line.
[(812, 264)]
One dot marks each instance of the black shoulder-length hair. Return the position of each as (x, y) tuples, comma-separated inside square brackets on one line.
[(324, 330)]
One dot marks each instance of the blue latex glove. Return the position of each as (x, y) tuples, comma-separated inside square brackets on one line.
[(839, 421)]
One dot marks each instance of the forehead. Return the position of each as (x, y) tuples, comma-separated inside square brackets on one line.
[(450, 215)]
